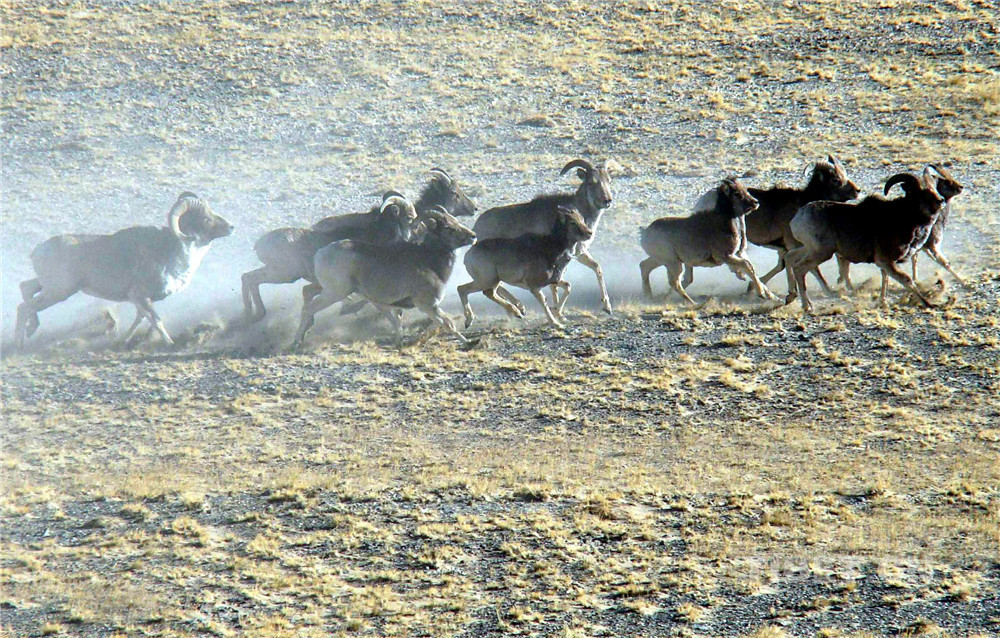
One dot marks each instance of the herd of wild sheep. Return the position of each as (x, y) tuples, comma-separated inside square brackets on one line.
[(401, 254)]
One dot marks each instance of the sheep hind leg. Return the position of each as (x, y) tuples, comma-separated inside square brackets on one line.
[(27, 313), (464, 291), (844, 268), (646, 268), (882, 303), (537, 292), (674, 271), (510, 297), (253, 305), (565, 285), (29, 289), (139, 316), (892, 270)]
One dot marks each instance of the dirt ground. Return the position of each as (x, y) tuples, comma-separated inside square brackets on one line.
[(733, 469)]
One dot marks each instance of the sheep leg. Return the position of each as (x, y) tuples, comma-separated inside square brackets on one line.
[(738, 263), (439, 320), (913, 263), (29, 289), (882, 303), (936, 255), (321, 301), (646, 268), (509, 296), (844, 267), (587, 260), (353, 306), (674, 272), (463, 294), (253, 305), (394, 319), (537, 292), (555, 294), (688, 276), (309, 292), (802, 260), (822, 281), (511, 309), (892, 269), (27, 313), (147, 306), (139, 316), (778, 267), (566, 288)]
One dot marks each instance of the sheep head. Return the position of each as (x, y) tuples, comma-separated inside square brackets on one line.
[(192, 219), (596, 181)]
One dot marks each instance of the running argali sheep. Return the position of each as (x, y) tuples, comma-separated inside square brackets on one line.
[(539, 217), (769, 225), (875, 230), (530, 261), (287, 253), (714, 235), (141, 264), (407, 275), (948, 187)]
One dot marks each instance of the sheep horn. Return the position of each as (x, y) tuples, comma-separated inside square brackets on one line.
[(577, 163), (392, 200), (442, 173), (392, 193), (908, 181), (181, 206)]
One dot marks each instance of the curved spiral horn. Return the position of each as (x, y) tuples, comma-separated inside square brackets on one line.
[(443, 174), (577, 163), (908, 181), (184, 202)]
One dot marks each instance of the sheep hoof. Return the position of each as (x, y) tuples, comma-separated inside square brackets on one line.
[(469, 344)]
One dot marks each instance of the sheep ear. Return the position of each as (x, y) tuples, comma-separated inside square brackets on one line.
[(581, 173)]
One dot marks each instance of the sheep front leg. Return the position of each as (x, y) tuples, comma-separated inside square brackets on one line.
[(882, 303), (537, 292), (674, 272), (801, 261), (145, 306), (936, 255), (587, 260), (441, 320), (892, 270), (562, 304), (738, 263), (309, 310)]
